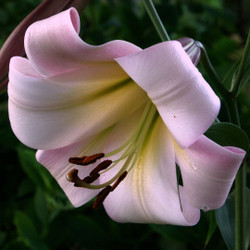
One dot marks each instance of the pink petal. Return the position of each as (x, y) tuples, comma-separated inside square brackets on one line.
[(149, 192), (49, 113), (56, 161), (183, 98), (208, 171), (53, 45)]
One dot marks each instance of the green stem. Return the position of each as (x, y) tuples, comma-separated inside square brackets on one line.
[(232, 109), (236, 86), (240, 185), (216, 83), (240, 190), (156, 20)]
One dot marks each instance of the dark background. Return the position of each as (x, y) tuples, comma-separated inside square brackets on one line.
[(34, 212)]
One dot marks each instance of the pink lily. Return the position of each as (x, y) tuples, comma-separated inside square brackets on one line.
[(140, 112), (14, 44)]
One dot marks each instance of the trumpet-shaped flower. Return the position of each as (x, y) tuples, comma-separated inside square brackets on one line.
[(115, 119)]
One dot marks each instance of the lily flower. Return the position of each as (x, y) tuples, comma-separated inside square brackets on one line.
[(113, 120), (14, 44)]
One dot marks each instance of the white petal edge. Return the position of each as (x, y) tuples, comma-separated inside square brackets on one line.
[(208, 171), (53, 45)]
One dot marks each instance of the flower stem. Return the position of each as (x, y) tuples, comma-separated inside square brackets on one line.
[(237, 84), (216, 82), (240, 211), (156, 20)]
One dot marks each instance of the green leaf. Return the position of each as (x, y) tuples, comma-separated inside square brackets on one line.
[(17, 244), (3, 236), (247, 218), (27, 231), (225, 217), (172, 232), (36, 173), (78, 229), (227, 134), (41, 206), (212, 227), (25, 226)]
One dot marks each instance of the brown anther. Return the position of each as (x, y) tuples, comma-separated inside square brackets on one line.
[(119, 180), (77, 160), (72, 175), (90, 179), (92, 158), (101, 197), (103, 165)]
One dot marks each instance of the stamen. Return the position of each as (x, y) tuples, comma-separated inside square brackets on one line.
[(72, 175), (86, 160), (101, 197), (130, 151), (103, 165), (92, 178), (119, 180), (92, 158), (77, 160)]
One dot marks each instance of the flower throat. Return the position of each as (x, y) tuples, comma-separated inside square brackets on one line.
[(130, 151)]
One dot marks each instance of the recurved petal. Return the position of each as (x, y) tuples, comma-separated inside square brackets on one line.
[(149, 192), (208, 171), (53, 45), (49, 113), (183, 98)]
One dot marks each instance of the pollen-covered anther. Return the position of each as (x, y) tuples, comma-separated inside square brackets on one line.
[(92, 178), (101, 197), (77, 160), (92, 158), (119, 180), (86, 160), (103, 165)]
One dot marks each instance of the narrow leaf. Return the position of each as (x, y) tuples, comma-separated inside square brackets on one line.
[(212, 227), (41, 206), (225, 217)]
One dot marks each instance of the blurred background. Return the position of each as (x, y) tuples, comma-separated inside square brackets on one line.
[(34, 212)]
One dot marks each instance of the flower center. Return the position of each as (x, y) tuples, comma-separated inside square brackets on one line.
[(129, 151)]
